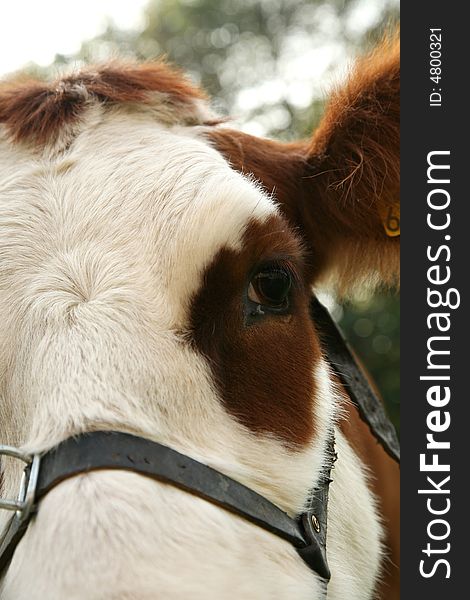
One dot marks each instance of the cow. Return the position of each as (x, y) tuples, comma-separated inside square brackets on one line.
[(156, 270)]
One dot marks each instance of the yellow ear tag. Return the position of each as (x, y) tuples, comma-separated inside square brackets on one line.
[(390, 216)]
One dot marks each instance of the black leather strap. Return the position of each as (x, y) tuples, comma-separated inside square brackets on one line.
[(116, 450), (343, 363), (315, 518), (16, 530), (122, 451)]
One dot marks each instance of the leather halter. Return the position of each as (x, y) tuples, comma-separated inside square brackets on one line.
[(344, 364), (116, 450)]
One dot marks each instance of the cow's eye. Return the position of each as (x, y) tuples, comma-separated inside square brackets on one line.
[(270, 288)]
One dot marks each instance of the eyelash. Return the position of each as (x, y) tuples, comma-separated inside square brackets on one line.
[(283, 265)]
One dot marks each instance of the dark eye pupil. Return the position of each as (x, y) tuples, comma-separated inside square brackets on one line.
[(273, 286)]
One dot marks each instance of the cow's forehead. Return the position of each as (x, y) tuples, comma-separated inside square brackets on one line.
[(142, 236), (159, 199)]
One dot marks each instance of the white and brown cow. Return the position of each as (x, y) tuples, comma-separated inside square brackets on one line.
[(155, 275)]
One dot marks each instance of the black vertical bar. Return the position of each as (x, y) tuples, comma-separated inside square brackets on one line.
[(434, 568)]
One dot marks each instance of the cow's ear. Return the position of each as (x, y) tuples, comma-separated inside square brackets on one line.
[(340, 189), (349, 211)]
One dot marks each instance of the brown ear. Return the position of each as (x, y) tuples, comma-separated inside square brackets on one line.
[(342, 186)]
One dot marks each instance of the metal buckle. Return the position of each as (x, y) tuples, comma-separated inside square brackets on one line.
[(24, 503)]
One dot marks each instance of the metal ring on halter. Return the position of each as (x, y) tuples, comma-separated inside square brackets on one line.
[(26, 495)]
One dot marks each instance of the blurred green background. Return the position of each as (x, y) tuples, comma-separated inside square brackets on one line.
[(269, 65)]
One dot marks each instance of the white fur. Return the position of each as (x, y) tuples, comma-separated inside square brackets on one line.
[(101, 250)]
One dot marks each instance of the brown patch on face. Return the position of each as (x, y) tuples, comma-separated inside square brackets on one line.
[(263, 369), (37, 111), (385, 484)]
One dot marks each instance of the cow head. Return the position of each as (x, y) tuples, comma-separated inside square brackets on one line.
[(155, 276)]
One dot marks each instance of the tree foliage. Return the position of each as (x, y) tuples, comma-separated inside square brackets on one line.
[(264, 62)]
